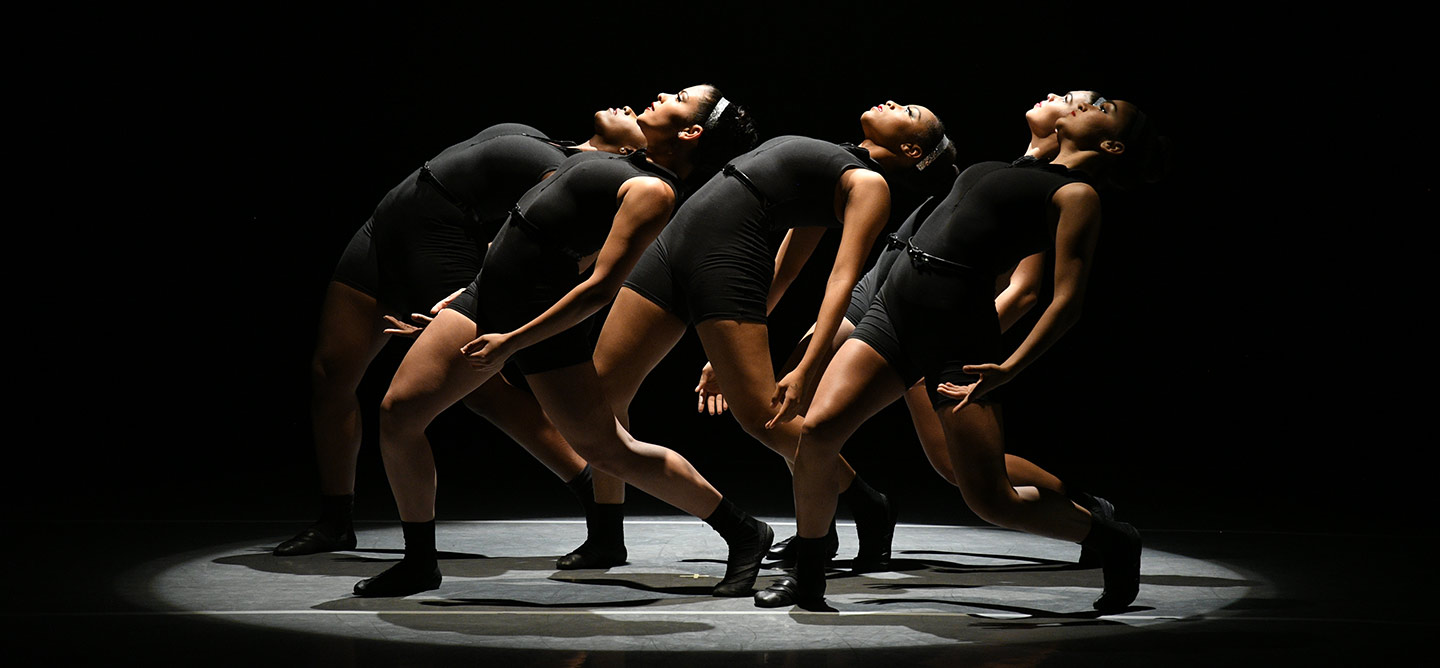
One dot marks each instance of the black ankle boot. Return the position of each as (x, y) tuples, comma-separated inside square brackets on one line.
[(604, 544), (748, 538), (1119, 546), (334, 531), (875, 519), (418, 571), (1098, 507), (806, 587)]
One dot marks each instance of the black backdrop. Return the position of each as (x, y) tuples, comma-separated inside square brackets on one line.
[(1241, 360)]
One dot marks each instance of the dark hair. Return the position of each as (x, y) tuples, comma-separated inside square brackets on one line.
[(731, 133), (939, 175), (1147, 155)]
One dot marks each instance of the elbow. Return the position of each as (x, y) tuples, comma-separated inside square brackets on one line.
[(1026, 301), (602, 292), (1071, 311)]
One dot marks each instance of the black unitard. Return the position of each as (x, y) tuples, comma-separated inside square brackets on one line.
[(932, 318), (870, 283), (534, 260), (427, 238), (713, 260)]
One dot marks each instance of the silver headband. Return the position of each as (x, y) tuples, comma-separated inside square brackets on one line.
[(935, 153), (715, 113)]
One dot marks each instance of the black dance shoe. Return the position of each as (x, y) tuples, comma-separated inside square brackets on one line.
[(402, 579), (743, 564), (1098, 507), (875, 540), (586, 556), (783, 552), (787, 592), (314, 540), (1119, 546)]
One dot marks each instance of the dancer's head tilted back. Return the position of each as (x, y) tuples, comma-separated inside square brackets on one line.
[(1042, 117), (617, 131), (909, 141), (1113, 140), (696, 130)]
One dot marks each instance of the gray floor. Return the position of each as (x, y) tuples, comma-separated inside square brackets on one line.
[(212, 593), (949, 584)]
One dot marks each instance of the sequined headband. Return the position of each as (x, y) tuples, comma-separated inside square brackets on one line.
[(715, 113), (935, 153)]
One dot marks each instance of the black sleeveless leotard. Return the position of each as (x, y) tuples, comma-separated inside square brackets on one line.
[(931, 319), (533, 260), (427, 237), (713, 260), (869, 284)]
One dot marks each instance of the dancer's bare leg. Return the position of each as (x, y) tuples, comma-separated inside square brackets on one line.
[(1022, 472), (976, 443), (351, 334), (516, 413), (857, 385), (636, 336), (568, 395), (432, 377)]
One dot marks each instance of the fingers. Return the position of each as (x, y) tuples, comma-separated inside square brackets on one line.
[(446, 301), (481, 359), (710, 402), (421, 318), (787, 411), (399, 328), (970, 393)]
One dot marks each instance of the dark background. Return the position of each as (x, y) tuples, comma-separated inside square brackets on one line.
[(1249, 355)]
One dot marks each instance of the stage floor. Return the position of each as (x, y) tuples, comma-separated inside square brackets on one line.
[(211, 593)]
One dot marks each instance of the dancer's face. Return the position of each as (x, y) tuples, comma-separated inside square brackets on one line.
[(619, 127), (672, 113), (892, 124), (1097, 126), (1043, 115)]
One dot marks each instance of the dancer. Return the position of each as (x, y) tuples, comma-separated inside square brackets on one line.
[(533, 300), (424, 241), (712, 269), (934, 317), (1020, 293)]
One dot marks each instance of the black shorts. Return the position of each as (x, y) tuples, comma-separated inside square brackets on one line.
[(861, 297), (521, 279), (931, 326), (357, 266), (714, 261), (415, 250)]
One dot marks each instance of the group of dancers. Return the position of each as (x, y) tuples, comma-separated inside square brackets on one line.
[(664, 215)]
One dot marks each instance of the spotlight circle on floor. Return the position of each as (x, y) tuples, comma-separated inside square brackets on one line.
[(946, 585)]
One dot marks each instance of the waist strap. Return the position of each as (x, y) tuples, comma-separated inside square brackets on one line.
[(733, 171), (923, 260)]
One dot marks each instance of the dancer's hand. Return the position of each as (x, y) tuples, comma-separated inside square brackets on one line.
[(440, 305), (787, 400), (991, 377), (399, 327), (711, 397), (488, 353)]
